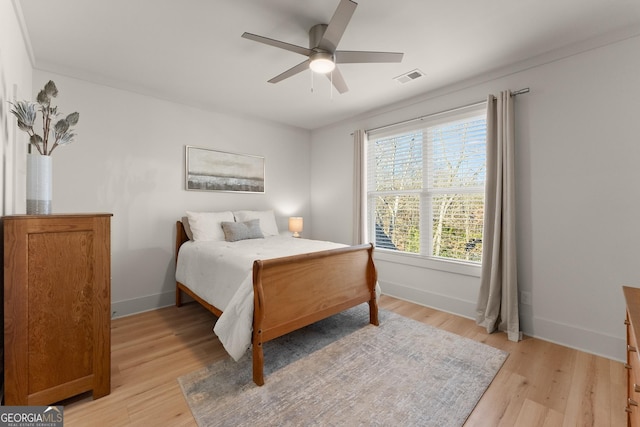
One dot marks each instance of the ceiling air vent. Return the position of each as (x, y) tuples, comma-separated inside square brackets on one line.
[(411, 75)]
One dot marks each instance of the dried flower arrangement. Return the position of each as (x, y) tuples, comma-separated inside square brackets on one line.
[(26, 113)]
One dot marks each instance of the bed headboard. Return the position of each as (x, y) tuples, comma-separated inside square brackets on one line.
[(181, 236)]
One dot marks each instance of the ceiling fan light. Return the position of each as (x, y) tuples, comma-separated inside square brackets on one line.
[(322, 63)]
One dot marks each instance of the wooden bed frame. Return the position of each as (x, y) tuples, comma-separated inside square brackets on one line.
[(295, 291)]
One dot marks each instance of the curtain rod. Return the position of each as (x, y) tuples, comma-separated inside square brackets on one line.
[(415, 119)]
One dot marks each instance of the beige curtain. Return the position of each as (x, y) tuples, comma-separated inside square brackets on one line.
[(359, 190), (497, 306)]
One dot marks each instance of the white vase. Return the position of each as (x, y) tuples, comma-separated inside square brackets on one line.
[(39, 184)]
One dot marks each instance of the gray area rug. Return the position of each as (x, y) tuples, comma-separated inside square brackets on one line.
[(344, 372)]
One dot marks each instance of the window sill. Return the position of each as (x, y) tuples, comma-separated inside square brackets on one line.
[(450, 266)]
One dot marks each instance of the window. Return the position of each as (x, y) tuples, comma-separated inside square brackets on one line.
[(426, 181)]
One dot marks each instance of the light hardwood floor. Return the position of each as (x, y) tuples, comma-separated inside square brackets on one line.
[(540, 384)]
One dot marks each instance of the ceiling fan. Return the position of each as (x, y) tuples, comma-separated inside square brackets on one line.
[(321, 54)]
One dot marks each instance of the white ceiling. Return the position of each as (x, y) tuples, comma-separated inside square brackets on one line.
[(190, 51)]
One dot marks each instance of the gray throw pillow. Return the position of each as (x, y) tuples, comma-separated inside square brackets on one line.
[(234, 231)]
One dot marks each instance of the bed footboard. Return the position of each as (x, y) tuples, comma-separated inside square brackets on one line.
[(296, 291)]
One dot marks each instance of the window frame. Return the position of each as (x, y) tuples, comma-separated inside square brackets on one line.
[(424, 258)]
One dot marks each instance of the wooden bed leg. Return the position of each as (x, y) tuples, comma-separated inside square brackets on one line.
[(373, 312), (258, 360), (178, 297)]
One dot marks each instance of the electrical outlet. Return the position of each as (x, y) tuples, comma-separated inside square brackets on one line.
[(525, 297)]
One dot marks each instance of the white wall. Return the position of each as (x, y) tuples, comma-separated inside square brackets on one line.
[(128, 159), (578, 150), (15, 83)]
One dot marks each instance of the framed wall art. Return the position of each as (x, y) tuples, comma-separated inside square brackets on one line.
[(211, 170)]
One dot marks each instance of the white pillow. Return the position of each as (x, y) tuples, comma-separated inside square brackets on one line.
[(187, 229), (267, 220), (207, 225)]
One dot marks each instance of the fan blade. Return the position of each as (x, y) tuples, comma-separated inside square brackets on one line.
[(291, 72), (337, 25), (338, 81), (277, 43), (353, 57)]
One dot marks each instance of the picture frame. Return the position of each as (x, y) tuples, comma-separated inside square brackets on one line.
[(213, 170)]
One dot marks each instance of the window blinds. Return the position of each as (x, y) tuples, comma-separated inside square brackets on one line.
[(426, 185)]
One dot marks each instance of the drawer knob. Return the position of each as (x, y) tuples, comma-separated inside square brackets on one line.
[(636, 388), (632, 402), (627, 409), (626, 322), (627, 366), (631, 348)]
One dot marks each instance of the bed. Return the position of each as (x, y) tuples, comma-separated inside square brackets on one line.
[(280, 293)]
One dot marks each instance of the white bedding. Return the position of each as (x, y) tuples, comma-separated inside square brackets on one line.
[(221, 274)]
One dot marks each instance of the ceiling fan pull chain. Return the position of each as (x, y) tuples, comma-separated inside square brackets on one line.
[(312, 81)]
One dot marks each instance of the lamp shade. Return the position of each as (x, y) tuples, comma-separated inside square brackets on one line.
[(295, 225)]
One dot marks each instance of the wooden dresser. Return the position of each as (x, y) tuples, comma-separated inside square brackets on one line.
[(57, 303), (632, 298)]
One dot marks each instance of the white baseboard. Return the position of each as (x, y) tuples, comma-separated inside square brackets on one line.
[(440, 302), (571, 336), (142, 304), (586, 340)]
